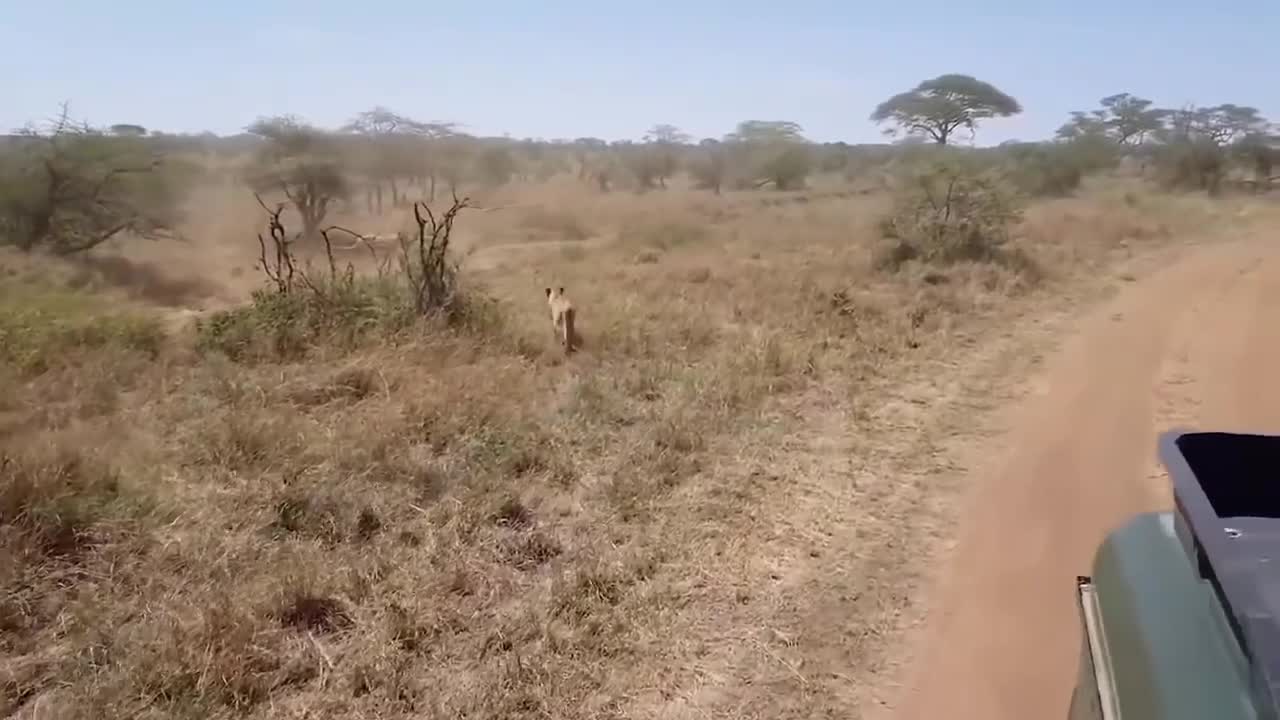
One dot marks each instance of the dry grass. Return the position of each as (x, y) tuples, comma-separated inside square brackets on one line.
[(461, 522)]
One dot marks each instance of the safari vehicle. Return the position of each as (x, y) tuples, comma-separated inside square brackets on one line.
[(1181, 617)]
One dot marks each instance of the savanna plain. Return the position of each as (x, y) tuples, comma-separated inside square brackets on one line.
[(285, 430)]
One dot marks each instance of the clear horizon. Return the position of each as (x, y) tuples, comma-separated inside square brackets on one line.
[(567, 69)]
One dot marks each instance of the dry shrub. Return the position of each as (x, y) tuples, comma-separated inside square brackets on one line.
[(948, 212)]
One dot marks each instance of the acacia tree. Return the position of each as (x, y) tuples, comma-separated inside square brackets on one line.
[(387, 149), (665, 143), (1083, 125), (1222, 125), (1198, 144), (69, 187), (303, 163), (1130, 119), (128, 130), (938, 107), (1123, 119)]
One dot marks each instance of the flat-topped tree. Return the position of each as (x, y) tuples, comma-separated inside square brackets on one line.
[(938, 107), (1124, 119), (128, 130), (666, 142), (1227, 124), (391, 147), (1130, 119)]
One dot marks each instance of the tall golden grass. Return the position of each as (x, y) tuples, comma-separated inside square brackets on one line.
[(458, 521)]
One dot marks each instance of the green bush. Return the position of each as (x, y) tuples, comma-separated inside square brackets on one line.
[(277, 326), (72, 188), (1191, 165), (287, 326), (1046, 170)]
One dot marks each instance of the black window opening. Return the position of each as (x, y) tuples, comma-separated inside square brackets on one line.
[(1239, 474)]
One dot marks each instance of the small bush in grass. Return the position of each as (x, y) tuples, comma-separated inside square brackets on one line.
[(285, 326)]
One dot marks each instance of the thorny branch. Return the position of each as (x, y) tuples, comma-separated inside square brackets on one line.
[(280, 268), (431, 277)]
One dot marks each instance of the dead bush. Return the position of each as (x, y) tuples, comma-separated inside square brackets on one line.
[(428, 267)]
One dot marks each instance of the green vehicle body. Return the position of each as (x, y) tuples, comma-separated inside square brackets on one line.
[(1161, 639), (1163, 645)]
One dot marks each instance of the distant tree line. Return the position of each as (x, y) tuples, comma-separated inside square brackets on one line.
[(68, 187)]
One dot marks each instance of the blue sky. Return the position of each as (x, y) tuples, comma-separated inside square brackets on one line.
[(567, 69)]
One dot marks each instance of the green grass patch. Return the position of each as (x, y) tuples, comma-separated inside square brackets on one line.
[(44, 327)]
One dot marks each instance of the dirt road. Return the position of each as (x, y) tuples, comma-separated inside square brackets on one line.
[(1195, 344)]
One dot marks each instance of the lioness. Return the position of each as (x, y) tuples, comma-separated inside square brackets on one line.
[(562, 316)]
